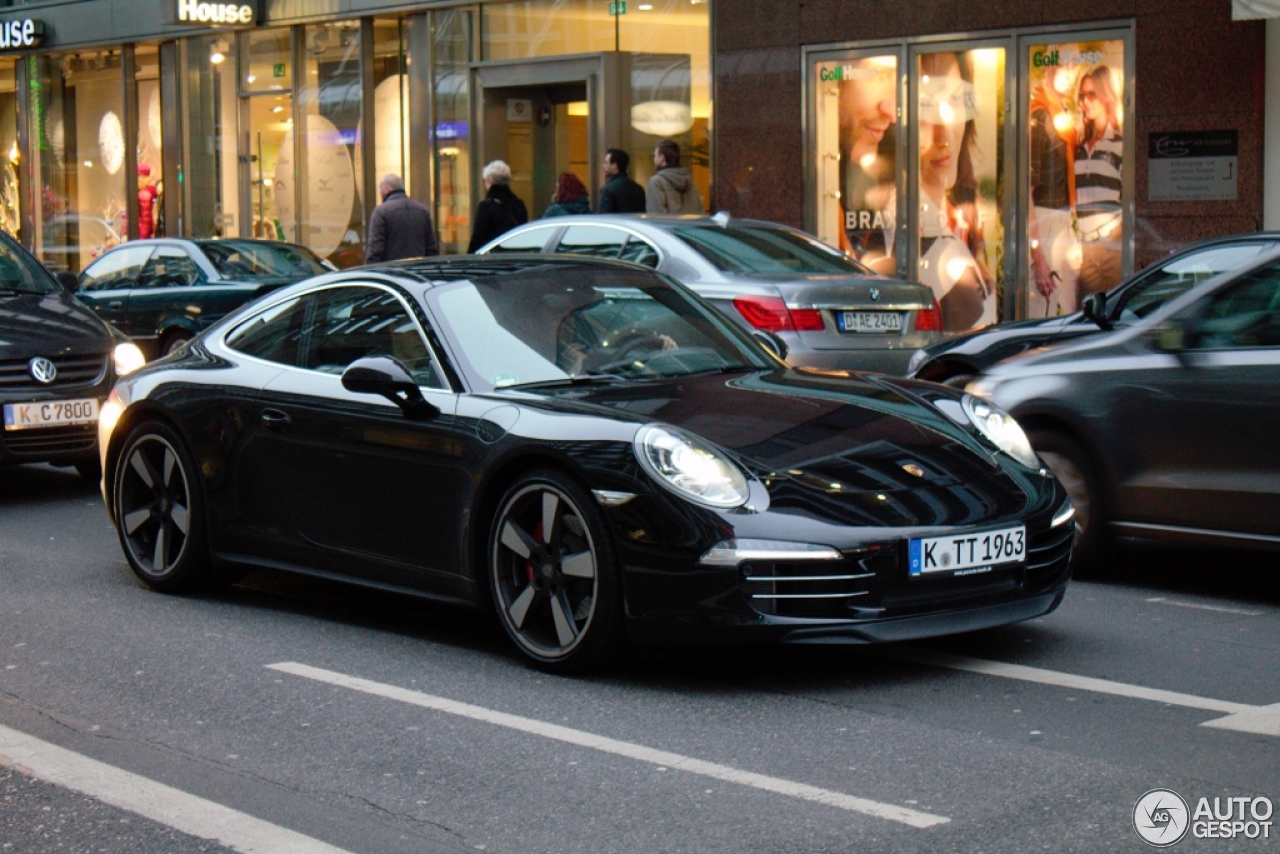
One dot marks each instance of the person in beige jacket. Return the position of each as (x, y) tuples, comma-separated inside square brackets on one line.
[(671, 189)]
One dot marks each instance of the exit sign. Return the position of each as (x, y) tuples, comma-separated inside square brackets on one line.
[(618, 8), (277, 70)]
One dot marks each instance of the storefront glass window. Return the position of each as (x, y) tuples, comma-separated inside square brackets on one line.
[(959, 188), (267, 64), (331, 217), (10, 156), (79, 148), (451, 50), (390, 95), (532, 28), (1076, 149), (211, 176), (150, 143), (856, 133), (670, 46)]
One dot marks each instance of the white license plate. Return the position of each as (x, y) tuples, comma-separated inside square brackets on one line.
[(967, 554), (50, 413), (870, 321)]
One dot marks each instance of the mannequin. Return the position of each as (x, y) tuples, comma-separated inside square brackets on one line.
[(147, 194)]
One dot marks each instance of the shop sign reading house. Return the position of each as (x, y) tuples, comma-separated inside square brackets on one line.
[(215, 14), (21, 34)]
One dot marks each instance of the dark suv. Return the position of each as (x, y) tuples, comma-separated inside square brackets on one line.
[(58, 361)]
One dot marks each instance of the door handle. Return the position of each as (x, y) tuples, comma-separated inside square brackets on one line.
[(115, 303), (274, 419)]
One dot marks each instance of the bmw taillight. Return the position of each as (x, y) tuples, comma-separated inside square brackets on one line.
[(772, 315), (929, 319)]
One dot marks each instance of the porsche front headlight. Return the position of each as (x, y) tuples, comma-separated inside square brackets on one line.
[(1000, 429), (689, 467)]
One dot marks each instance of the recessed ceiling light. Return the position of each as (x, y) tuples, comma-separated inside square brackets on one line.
[(645, 7)]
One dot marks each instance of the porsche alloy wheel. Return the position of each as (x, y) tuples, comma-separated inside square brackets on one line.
[(553, 575)]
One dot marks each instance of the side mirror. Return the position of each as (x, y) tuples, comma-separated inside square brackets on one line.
[(771, 342), (1171, 337), (1094, 308), (385, 376), (67, 280)]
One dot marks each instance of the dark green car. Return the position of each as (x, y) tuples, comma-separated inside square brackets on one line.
[(163, 292)]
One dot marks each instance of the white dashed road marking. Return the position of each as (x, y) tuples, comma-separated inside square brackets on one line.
[(660, 758), (149, 799), (1221, 609), (1264, 720)]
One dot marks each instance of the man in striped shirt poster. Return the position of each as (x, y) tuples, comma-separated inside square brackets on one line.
[(1097, 186)]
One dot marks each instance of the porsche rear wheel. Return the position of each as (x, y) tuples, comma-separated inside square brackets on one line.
[(553, 574)]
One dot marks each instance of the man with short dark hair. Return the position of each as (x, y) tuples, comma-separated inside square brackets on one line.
[(399, 227), (671, 189), (619, 194)]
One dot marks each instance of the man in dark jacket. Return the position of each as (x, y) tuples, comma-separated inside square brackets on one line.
[(620, 194), (500, 211), (399, 227)]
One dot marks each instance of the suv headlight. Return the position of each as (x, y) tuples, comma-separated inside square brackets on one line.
[(690, 468), (128, 358), (1000, 429)]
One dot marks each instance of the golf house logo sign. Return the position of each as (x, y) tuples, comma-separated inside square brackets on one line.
[(21, 34), (217, 14)]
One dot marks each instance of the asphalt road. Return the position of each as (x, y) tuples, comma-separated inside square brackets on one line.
[(242, 700)]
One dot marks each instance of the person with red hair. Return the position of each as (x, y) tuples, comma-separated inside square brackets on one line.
[(571, 197)]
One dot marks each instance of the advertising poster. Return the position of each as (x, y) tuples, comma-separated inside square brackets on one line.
[(857, 128), (960, 192), (1076, 146)]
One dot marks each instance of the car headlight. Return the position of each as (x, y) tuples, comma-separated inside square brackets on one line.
[(690, 468), (128, 358), (1000, 429), (917, 359)]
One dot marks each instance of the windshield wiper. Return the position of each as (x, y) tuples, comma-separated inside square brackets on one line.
[(12, 290), (723, 369), (576, 379)]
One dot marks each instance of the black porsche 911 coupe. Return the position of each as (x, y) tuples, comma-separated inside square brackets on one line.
[(586, 447)]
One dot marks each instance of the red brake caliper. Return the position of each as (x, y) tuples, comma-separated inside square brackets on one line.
[(528, 567)]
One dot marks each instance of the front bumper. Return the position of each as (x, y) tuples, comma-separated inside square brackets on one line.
[(867, 596)]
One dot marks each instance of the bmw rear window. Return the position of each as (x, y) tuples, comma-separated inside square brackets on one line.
[(760, 249)]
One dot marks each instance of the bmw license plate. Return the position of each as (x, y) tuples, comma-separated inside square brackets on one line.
[(870, 321), (966, 554), (50, 413)]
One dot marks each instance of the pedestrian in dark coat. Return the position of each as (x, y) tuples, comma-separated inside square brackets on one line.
[(570, 198), (619, 194), (399, 227), (500, 211)]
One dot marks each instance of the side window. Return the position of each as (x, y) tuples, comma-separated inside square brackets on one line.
[(346, 324), (169, 267), (1177, 277), (1246, 314), (526, 241), (640, 251), (273, 334), (597, 241), (117, 269)]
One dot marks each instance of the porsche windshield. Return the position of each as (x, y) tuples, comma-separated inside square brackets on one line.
[(550, 324)]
